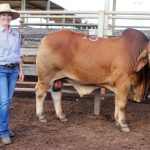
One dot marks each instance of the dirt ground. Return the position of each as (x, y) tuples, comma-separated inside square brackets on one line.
[(83, 131)]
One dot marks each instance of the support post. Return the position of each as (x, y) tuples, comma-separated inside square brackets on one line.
[(23, 7), (101, 24), (48, 8), (113, 20), (97, 100), (106, 18)]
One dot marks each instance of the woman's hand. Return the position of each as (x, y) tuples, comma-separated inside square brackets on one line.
[(21, 76)]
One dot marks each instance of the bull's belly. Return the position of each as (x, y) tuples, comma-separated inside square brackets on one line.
[(84, 88), (87, 85), (88, 79)]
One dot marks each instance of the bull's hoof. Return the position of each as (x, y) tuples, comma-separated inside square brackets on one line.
[(123, 127), (64, 119), (117, 124), (43, 120)]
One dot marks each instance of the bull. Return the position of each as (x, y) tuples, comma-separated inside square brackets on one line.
[(113, 63)]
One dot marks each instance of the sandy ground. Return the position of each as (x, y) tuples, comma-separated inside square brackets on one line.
[(84, 131)]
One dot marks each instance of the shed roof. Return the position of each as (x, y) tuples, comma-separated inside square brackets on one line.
[(32, 4), (39, 5)]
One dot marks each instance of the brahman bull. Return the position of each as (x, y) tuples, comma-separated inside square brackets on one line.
[(113, 63)]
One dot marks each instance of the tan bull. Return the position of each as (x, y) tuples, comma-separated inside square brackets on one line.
[(87, 64)]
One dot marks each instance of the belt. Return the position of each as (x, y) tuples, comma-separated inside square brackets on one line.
[(10, 66)]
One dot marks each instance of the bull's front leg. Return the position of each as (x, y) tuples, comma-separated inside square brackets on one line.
[(41, 92), (121, 99), (56, 93)]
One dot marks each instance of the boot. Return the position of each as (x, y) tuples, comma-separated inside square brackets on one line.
[(6, 140)]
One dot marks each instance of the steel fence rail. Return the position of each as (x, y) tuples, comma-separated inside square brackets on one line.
[(101, 19)]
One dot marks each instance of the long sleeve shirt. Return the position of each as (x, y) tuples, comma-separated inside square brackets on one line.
[(9, 46)]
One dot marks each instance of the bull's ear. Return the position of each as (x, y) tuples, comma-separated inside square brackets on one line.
[(142, 61)]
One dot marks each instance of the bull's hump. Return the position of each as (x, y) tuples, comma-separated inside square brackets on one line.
[(59, 37), (63, 33)]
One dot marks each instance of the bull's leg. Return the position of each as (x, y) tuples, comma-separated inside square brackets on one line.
[(56, 93), (121, 99), (41, 91)]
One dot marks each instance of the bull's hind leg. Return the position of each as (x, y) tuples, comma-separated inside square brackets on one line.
[(121, 99), (56, 93), (41, 91)]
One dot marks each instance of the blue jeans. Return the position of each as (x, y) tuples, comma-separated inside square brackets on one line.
[(8, 79)]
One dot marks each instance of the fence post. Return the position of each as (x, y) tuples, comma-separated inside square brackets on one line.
[(101, 24), (106, 17), (97, 102), (113, 20), (97, 96), (48, 9)]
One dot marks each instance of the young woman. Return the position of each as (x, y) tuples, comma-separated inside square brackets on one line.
[(10, 68)]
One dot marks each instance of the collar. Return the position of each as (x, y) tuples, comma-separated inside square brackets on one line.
[(2, 29)]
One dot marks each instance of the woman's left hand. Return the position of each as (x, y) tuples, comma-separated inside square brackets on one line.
[(21, 76)]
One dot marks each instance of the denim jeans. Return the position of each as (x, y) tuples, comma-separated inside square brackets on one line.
[(8, 79)]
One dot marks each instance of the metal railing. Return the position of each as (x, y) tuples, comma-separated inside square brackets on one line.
[(100, 21)]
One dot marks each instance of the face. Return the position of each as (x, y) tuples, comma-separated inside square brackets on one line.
[(5, 18)]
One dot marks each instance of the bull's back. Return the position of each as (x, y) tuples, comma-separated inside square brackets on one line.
[(53, 52), (57, 42), (74, 52)]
